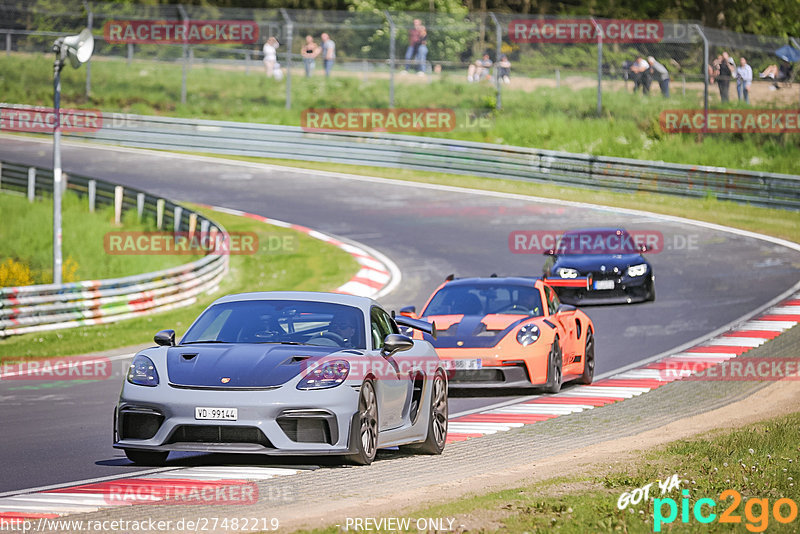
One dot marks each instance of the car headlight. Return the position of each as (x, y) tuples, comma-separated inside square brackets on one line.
[(328, 375), (637, 270), (528, 334), (142, 372), (565, 272)]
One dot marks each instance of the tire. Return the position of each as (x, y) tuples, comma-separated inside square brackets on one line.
[(554, 376), (152, 458), (588, 360), (364, 429), (651, 293), (437, 420)]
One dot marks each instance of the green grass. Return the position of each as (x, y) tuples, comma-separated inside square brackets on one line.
[(548, 118), (26, 235), (309, 264), (759, 461), (775, 222)]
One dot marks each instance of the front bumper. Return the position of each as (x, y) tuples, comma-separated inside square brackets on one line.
[(626, 289), (274, 422), (505, 376)]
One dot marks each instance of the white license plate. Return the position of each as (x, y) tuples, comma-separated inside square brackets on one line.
[(604, 284), (216, 414), (462, 365)]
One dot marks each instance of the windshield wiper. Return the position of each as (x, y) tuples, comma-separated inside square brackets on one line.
[(281, 342), (204, 341)]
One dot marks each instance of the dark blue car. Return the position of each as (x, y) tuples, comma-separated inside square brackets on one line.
[(612, 257)]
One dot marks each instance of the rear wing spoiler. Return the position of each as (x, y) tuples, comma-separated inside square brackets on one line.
[(583, 282), (423, 326)]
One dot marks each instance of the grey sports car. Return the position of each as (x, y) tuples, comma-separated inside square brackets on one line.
[(285, 373)]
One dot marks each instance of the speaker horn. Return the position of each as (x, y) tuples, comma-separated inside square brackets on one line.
[(78, 48)]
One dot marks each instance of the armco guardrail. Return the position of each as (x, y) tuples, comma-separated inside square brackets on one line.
[(37, 308), (449, 156)]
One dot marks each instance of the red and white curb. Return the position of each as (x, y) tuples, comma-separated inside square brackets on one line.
[(633, 382), (152, 488), (377, 275)]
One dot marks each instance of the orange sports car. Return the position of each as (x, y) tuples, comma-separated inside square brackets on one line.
[(509, 332)]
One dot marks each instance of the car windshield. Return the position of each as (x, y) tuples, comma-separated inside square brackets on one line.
[(279, 321), (597, 242), (485, 299)]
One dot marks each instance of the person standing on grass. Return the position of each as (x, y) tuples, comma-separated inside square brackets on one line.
[(310, 52), (724, 75), (328, 53), (413, 43), (744, 79), (270, 56), (661, 74), (422, 50)]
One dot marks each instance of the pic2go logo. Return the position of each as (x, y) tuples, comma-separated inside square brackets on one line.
[(756, 511)]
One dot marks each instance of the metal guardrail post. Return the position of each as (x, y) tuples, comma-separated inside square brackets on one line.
[(185, 18), (160, 213), (140, 206), (599, 67), (130, 53), (498, 53), (119, 193), (92, 195), (89, 23), (795, 44), (289, 38), (392, 54), (31, 184), (176, 219), (705, 75), (8, 43)]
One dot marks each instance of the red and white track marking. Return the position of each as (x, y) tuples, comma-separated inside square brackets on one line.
[(376, 276), (632, 382)]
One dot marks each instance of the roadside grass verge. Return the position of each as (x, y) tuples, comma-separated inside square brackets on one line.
[(548, 118), (308, 265), (759, 461), (26, 236), (784, 224)]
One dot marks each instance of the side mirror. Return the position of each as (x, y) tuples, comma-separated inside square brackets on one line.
[(565, 308), (396, 343), (165, 338), (409, 311)]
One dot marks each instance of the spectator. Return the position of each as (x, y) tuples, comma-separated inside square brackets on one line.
[(773, 72), (640, 72), (310, 52), (744, 78), (724, 74), (270, 56), (328, 53), (422, 51), (661, 74), (481, 69), (504, 69)]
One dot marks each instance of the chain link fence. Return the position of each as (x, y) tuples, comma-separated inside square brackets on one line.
[(376, 45)]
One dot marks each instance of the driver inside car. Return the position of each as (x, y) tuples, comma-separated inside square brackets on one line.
[(528, 301), (344, 327)]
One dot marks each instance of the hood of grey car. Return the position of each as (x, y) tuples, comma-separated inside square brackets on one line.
[(239, 365)]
